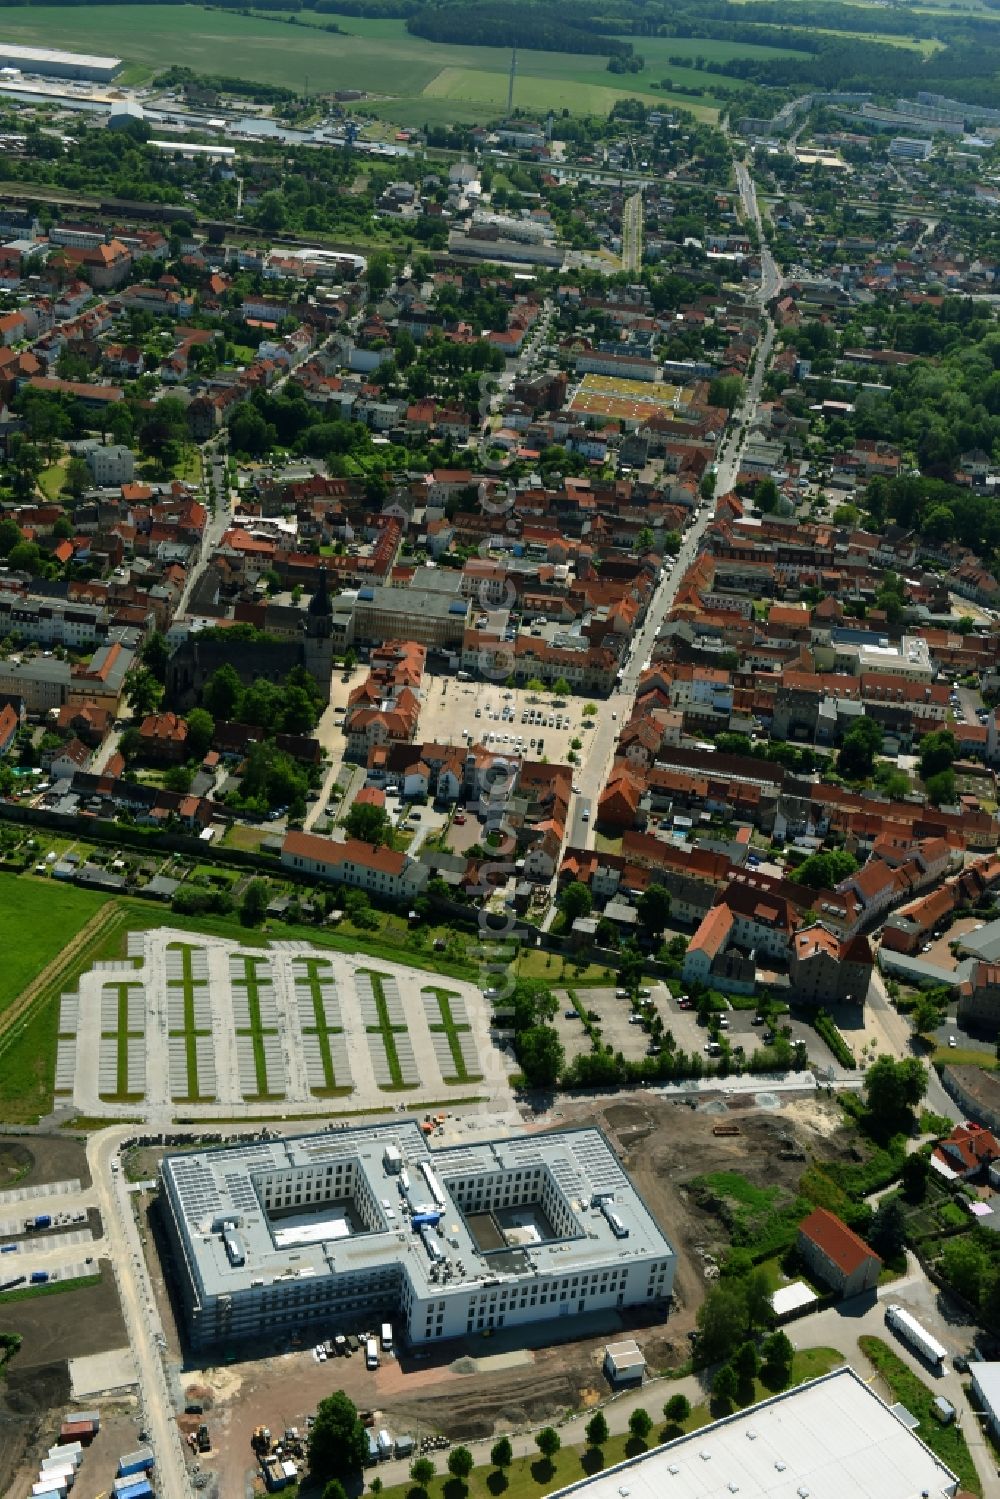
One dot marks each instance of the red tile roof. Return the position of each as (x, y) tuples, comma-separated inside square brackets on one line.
[(968, 1147), (713, 932), (325, 851), (839, 1243)]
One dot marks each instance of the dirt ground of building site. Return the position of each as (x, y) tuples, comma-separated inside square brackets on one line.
[(54, 1327), (477, 1387), (463, 1390)]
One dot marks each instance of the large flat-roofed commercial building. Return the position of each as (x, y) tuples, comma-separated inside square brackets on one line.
[(46, 62), (432, 613), (830, 1439), (352, 1225)]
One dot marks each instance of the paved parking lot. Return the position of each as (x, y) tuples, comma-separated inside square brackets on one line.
[(969, 705), (617, 1031), (420, 821), (291, 1024), (617, 1028), (690, 1036), (570, 1028), (449, 706), (939, 951)]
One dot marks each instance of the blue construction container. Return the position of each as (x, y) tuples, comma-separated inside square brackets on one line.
[(139, 1461), (141, 1489)]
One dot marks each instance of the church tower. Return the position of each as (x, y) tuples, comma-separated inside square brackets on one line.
[(318, 645)]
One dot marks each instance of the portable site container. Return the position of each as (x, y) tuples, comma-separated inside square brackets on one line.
[(141, 1489), (71, 1452), (59, 1459), (66, 1472), (77, 1431), (139, 1461)]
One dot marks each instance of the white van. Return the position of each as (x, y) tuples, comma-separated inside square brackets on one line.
[(386, 1337), (371, 1354)]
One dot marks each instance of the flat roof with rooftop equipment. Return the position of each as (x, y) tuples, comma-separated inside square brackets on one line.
[(472, 1237), (832, 1438)]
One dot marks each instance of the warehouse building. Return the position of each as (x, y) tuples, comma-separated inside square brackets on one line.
[(47, 63), (355, 1225), (832, 1438)]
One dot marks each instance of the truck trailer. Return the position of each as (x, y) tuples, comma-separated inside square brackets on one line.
[(916, 1336)]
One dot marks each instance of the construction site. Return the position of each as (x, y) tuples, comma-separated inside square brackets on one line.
[(513, 1379)]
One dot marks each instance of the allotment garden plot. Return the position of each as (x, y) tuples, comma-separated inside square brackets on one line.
[(191, 1025)]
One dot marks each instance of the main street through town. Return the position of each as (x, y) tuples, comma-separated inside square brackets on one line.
[(618, 708)]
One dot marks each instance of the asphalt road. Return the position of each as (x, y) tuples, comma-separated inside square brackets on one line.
[(218, 521), (770, 276), (896, 1029), (138, 1303), (618, 709)]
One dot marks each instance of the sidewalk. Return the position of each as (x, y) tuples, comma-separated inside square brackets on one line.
[(651, 1397)]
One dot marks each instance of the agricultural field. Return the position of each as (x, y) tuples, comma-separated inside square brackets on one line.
[(413, 79)]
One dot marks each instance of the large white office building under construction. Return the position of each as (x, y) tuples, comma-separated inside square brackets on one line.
[(350, 1226)]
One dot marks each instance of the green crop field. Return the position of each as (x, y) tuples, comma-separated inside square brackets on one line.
[(408, 78), (239, 46), (30, 937), (477, 86), (656, 50)]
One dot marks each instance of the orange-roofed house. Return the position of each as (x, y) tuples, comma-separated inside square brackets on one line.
[(10, 722), (370, 796), (824, 968), (708, 946), (618, 806), (364, 866), (164, 738), (969, 1151), (836, 1255)]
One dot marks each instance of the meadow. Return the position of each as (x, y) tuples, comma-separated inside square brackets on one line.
[(414, 80), (32, 934), (411, 80)]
